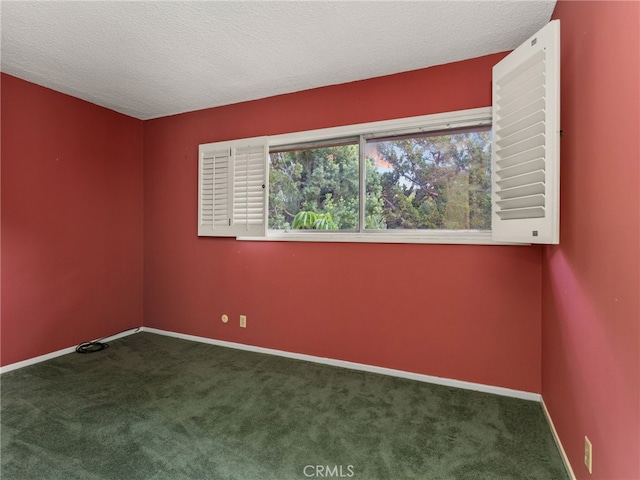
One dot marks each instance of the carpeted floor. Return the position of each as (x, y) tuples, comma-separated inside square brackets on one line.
[(159, 408)]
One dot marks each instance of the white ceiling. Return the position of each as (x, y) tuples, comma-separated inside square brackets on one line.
[(151, 59)]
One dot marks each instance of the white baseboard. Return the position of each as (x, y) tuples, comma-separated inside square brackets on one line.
[(449, 382), (507, 392), (563, 454), (64, 351), (34, 360)]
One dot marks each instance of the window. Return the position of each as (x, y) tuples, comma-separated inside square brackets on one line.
[(412, 181), (435, 180), (477, 176), (315, 187)]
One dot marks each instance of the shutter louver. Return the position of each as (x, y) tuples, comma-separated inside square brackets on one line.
[(526, 141)]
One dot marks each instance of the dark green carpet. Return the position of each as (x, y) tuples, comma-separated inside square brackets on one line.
[(155, 407)]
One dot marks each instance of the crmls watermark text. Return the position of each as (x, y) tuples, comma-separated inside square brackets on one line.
[(328, 471)]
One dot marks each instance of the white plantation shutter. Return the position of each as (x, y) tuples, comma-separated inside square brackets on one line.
[(526, 147), (232, 188), (213, 189), (249, 186)]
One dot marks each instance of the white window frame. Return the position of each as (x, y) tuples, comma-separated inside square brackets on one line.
[(519, 229), (477, 117)]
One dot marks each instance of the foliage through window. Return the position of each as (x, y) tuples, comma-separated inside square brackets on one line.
[(320, 183), (437, 181)]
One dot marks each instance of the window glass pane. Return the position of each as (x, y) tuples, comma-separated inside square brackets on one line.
[(429, 181), (314, 188)]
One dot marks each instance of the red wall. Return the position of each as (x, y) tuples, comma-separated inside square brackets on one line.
[(591, 287), (71, 221), (72, 242), (465, 312)]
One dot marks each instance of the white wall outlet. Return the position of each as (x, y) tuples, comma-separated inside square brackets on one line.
[(243, 321), (224, 318)]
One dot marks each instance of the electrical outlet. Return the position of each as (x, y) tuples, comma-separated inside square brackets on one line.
[(243, 321), (588, 458), (224, 318)]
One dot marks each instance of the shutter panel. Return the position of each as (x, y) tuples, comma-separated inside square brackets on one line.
[(249, 187), (232, 188), (213, 189), (526, 148)]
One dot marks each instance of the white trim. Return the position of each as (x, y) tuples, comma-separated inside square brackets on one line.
[(63, 351), (449, 382), (442, 237), (126, 333), (422, 123), (563, 454), (34, 360)]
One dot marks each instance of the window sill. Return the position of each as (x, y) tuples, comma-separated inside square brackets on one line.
[(444, 237)]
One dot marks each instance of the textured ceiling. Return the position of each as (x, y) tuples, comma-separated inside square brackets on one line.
[(151, 59)]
